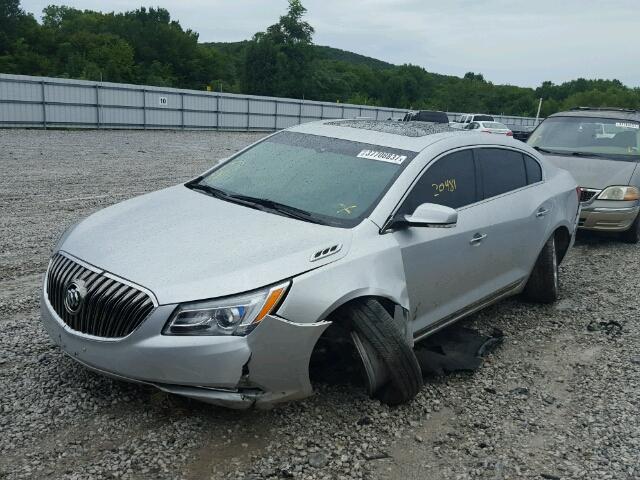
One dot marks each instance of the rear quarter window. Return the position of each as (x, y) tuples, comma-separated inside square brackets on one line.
[(534, 172)]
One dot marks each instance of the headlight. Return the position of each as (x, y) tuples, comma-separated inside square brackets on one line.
[(227, 316), (620, 193)]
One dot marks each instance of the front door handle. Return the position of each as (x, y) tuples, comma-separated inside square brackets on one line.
[(477, 238), (542, 212)]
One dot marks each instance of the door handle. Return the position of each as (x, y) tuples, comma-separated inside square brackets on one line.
[(542, 212), (477, 238)]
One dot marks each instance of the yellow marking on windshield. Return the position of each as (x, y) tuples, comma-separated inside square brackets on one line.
[(345, 209)]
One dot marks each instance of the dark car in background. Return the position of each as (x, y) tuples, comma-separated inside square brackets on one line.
[(433, 116), (601, 149)]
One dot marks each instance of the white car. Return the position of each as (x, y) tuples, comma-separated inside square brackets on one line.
[(490, 127), (469, 118)]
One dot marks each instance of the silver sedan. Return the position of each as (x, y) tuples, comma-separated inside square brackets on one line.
[(374, 234)]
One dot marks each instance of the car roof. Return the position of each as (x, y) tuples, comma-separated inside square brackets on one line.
[(411, 136), (613, 113)]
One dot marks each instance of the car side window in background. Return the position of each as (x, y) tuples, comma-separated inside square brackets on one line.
[(450, 181), (502, 170), (534, 172)]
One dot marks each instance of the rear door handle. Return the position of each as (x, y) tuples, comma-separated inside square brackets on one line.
[(542, 212), (477, 238)]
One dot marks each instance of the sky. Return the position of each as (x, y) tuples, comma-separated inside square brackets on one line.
[(509, 41)]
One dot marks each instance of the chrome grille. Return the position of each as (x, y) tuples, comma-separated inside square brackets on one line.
[(586, 194), (110, 308)]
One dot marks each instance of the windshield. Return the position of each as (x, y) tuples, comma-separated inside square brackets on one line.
[(338, 182), (611, 138)]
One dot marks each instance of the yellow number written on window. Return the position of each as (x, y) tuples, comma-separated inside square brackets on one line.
[(448, 185)]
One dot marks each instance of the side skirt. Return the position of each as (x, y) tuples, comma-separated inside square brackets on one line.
[(507, 291)]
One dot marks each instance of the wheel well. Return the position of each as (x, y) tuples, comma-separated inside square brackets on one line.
[(334, 357), (563, 240)]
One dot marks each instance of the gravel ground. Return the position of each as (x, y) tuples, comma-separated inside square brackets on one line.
[(559, 399)]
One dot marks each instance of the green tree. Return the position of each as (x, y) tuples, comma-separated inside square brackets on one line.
[(278, 61)]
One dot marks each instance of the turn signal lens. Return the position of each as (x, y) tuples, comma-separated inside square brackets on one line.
[(620, 193), (275, 295)]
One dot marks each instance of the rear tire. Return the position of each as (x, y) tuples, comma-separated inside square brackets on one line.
[(544, 283), (371, 321), (633, 234)]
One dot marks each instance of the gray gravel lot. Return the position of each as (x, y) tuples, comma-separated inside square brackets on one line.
[(559, 399)]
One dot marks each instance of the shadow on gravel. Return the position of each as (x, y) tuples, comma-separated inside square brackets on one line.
[(597, 239)]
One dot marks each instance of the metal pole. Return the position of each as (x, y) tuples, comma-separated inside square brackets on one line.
[(182, 110), (44, 106), (538, 114), (300, 113), (322, 111)]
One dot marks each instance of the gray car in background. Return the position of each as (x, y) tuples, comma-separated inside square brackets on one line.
[(376, 234), (601, 149)]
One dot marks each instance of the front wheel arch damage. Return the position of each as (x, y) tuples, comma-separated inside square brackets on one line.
[(347, 355)]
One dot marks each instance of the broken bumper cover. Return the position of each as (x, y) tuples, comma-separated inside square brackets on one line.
[(602, 216), (268, 366)]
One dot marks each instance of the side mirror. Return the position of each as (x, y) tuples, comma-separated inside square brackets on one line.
[(427, 215)]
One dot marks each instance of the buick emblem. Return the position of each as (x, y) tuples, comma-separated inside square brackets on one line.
[(74, 296)]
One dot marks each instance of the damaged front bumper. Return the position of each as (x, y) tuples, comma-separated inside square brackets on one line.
[(268, 366)]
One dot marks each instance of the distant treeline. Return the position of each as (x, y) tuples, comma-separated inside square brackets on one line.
[(145, 46)]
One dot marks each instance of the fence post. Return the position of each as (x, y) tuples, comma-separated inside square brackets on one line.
[(322, 111), (217, 112), (275, 117), (44, 105), (342, 112), (300, 113), (98, 105), (182, 110), (248, 113), (144, 109)]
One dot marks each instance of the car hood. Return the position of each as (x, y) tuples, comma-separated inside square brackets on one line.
[(595, 172), (184, 245)]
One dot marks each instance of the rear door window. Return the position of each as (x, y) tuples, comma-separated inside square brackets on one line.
[(502, 170), (450, 181)]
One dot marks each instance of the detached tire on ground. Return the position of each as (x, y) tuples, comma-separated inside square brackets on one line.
[(544, 282), (633, 234), (373, 324)]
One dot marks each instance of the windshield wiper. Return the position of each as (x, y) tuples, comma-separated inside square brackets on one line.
[(586, 154), (254, 202), (544, 150), (203, 187), (287, 210)]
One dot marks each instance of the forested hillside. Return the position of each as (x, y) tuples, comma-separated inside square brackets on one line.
[(145, 46)]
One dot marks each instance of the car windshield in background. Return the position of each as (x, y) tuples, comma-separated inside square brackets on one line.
[(599, 137), (333, 181)]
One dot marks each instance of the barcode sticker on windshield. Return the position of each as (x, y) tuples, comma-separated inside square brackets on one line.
[(628, 125), (382, 156)]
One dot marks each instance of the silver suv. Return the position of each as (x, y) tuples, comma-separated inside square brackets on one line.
[(601, 149), (373, 233)]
